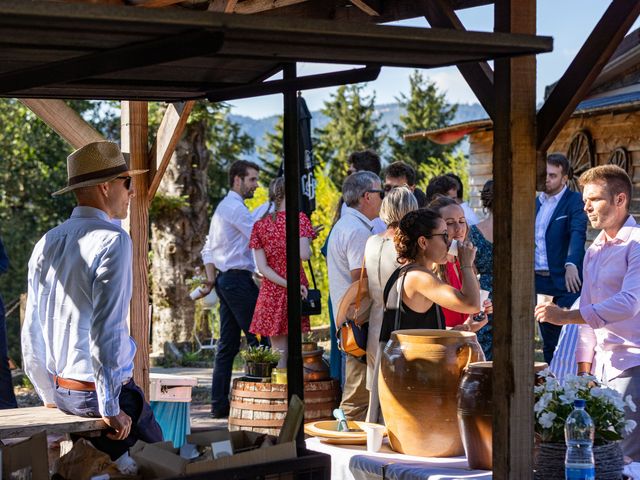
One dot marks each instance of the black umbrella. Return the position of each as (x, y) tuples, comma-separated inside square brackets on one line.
[(305, 157)]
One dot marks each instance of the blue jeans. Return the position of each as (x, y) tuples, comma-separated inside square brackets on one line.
[(561, 297), (7, 398), (238, 294), (143, 424)]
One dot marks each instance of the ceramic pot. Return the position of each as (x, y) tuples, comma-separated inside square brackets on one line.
[(418, 384), (475, 417), (315, 367)]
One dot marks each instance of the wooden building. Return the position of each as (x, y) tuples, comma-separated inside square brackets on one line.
[(604, 128)]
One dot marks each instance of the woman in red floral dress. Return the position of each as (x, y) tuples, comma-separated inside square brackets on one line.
[(268, 241)]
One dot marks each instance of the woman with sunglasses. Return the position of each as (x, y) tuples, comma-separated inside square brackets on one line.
[(451, 271), (422, 243)]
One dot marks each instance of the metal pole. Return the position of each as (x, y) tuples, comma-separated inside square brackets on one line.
[(292, 195)]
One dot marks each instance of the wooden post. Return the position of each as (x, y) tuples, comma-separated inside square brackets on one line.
[(514, 171), (135, 132)]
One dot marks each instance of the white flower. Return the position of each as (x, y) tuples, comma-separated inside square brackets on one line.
[(545, 373), (630, 403), (629, 426), (597, 392), (552, 385), (546, 419), (538, 389), (568, 397)]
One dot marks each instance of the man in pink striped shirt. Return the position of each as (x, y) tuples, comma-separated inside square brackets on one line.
[(609, 313)]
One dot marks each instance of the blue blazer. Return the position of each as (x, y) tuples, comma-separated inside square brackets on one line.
[(566, 236)]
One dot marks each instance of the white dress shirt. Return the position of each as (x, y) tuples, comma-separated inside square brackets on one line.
[(548, 204), (377, 224), (347, 242), (227, 246), (79, 289)]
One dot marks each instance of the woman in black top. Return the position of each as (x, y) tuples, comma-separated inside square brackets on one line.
[(422, 244)]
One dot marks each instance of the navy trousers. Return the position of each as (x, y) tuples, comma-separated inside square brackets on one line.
[(561, 297), (85, 404), (238, 294), (7, 397)]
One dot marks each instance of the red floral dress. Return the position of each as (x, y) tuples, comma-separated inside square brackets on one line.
[(270, 315)]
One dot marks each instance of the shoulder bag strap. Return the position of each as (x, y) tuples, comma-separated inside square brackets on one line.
[(441, 324), (359, 293), (313, 277)]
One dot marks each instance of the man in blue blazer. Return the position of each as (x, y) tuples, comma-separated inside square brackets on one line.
[(560, 235)]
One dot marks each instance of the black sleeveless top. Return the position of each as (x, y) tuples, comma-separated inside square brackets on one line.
[(409, 319)]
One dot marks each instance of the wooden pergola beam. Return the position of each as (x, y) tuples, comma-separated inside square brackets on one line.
[(257, 6), (64, 120), (166, 49), (169, 133), (222, 6), (584, 69), (309, 82), (479, 76), (135, 134), (370, 7), (514, 167)]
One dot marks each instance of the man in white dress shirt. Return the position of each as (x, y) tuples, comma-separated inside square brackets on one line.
[(229, 264), (75, 338), (362, 193)]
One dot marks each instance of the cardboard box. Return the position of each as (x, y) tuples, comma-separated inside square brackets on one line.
[(161, 460)]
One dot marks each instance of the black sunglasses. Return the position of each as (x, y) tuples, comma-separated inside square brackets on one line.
[(127, 182), (445, 236), (381, 192)]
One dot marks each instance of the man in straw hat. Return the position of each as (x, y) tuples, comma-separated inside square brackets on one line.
[(75, 339)]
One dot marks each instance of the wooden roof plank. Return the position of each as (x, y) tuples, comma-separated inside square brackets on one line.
[(585, 68), (255, 6), (479, 76), (155, 51), (370, 7)]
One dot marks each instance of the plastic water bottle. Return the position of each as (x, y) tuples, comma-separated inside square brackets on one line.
[(578, 433)]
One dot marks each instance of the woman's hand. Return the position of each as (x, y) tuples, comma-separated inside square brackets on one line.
[(487, 307), (303, 291), (466, 254)]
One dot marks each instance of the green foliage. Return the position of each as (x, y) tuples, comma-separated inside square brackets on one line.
[(449, 163), (272, 154), (164, 205), (425, 109), (352, 126), (225, 142), (260, 354)]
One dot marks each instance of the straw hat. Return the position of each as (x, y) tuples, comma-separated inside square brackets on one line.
[(96, 163), (347, 306)]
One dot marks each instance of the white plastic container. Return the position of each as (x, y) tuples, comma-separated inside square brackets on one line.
[(171, 388)]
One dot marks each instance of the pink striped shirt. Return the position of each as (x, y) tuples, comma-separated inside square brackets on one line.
[(610, 303)]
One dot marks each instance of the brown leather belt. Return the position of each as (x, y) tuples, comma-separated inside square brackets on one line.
[(71, 384)]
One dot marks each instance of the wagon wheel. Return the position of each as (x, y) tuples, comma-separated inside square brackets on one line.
[(580, 156), (620, 157)]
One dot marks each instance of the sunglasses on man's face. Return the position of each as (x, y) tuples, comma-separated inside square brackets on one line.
[(381, 192), (127, 182)]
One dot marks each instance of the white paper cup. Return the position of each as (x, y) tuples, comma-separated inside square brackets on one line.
[(196, 293), (453, 248), (374, 437), (484, 296), (542, 298)]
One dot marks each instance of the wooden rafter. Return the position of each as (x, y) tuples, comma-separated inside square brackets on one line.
[(479, 76), (169, 133), (257, 6), (222, 6), (64, 120), (585, 68), (157, 3), (370, 7)]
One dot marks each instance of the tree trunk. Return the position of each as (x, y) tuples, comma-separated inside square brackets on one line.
[(178, 231)]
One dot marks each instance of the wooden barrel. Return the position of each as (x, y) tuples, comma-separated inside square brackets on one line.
[(261, 407)]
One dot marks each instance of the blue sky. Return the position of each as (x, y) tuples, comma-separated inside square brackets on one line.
[(569, 22)]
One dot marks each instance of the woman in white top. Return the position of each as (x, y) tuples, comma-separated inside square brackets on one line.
[(380, 262)]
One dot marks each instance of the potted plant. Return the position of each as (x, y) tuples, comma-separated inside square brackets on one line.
[(554, 402), (260, 361)]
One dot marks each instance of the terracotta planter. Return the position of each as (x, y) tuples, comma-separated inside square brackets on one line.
[(418, 384), (475, 413)]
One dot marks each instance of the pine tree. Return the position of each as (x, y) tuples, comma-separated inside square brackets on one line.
[(272, 154), (352, 126), (425, 108)]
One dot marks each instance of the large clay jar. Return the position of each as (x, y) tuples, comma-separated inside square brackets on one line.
[(418, 383), (475, 413)]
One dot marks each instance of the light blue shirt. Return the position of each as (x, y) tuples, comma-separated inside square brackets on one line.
[(79, 290)]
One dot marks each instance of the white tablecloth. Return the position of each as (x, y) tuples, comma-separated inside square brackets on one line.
[(353, 462)]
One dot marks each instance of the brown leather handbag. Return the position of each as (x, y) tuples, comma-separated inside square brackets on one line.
[(352, 321)]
